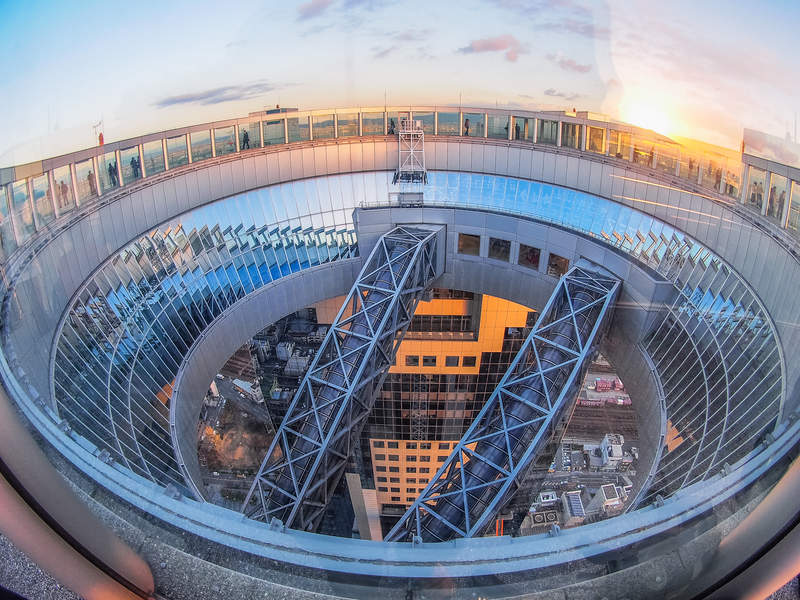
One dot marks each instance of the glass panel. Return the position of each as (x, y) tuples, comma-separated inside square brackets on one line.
[(427, 121), (224, 140), (690, 165), (498, 127), (449, 125), (777, 197), (473, 124), (711, 172), (595, 139), (794, 210), (755, 188), (130, 165), (523, 129), (323, 126), (347, 125), (87, 184), (107, 170), (529, 256), (499, 249), (372, 124), (7, 241), (177, 153), (393, 122), (733, 178), (619, 144), (153, 153), (274, 133), (42, 201), (201, 145), (62, 182), (666, 158), (249, 135), (548, 132), (469, 244), (571, 135), (23, 215), (643, 150), (297, 129), (557, 265)]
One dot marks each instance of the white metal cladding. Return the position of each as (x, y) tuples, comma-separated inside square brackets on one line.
[(310, 450), (487, 465)]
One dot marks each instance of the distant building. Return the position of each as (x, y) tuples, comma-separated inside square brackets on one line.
[(572, 509), (607, 502)]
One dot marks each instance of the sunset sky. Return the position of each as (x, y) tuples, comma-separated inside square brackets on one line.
[(686, 68)]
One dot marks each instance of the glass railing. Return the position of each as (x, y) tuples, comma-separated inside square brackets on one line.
[(30, 203)]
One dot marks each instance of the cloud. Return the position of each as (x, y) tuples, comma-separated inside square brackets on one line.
[(228, 93), (509, 43), (553, 93), (567, 64), (378, 52), (312, 9)]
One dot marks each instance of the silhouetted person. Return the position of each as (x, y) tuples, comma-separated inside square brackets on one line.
[(112, 173), (92, 186), (466, 127), (246, 141), (516, 131), (391, 126), (135, 167)]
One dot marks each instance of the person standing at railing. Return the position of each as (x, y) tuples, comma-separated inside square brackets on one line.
[(245, 140), (466, 127)]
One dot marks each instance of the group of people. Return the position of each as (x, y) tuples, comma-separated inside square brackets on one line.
[(757, 193), (136, 166)]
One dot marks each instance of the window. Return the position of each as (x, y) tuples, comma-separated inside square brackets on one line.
[(411, 458), (372, 124), (473, 125), (498, 127), (428, 361), (394, 480), (380, 457), (377, 444), (380, 469), (424, 459), (383, 489), (201, 145), (347, 125), (423, 480), (595, 136), (529, 256), (547, 132), (450, 361), (274, 132), (392, 445), (444, 446), (523, 129), (469, 244), (619, 145), (441, 458), (557, 265), (411, 469), (381, 479), (177, 153), (224, 140), (424, 470), (153, 157), (571, 135), (409, 499), (468, 361), (395, 498), (427, 121), (411, 490), (394, 469), (411, 445), (424, 445), (395, 489), (394, 457), (499, 249), (412, 361), (322, 126), (449, 124), (411, 480), (249, 135)]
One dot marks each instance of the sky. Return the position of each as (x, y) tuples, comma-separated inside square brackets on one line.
[(703, 70)]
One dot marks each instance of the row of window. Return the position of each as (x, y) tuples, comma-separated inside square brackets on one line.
[(397, 480), (412, 360), (410, 445), (500, 249), (397, 490), (30, 204), (410, 458), (382, 469)]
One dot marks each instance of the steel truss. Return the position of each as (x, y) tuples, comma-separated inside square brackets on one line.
[(486, 467), (411, 153), (309, 452)]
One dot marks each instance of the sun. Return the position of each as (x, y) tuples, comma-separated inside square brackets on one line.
[(646, 112)]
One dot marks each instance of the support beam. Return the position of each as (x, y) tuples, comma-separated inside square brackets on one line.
[(486, 467), (308, 455)]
